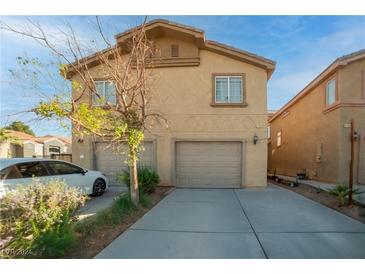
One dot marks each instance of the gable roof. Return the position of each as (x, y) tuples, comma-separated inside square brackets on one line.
[(154, 28), (333, 67), (47, 138), (41, 140), (22, 136)]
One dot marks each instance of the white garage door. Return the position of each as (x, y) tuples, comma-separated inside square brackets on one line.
[(208, 164), (110, 161)]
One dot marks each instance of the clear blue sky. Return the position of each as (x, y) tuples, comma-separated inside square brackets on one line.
[(302, 46)]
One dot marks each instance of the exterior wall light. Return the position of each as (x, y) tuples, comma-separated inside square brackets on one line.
[(255, 139)]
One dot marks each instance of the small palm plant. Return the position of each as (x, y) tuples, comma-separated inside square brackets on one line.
[(342, 193)]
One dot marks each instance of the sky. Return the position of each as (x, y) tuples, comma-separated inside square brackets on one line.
[(302, 47)]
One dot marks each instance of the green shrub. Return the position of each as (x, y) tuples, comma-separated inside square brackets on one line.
[(342, 193), (38, 218), (148, 179)]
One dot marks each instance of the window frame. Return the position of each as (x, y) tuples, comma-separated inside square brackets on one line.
[(279, 134), (216, 103), (333, 79), (93, 97)]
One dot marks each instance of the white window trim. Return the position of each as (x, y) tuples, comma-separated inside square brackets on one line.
[(104, 88), (229, 89), (327, 84)]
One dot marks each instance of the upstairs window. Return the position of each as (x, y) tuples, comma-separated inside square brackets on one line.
[(174, 51), (106, 92), (228, 89), (278, 139), (331, 92)]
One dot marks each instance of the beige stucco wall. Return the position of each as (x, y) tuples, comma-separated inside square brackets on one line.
[(10, 150), (28, 149), (307, 125), (186, 47), (303, 129), (352, 81), (183, 95), (6, 150)]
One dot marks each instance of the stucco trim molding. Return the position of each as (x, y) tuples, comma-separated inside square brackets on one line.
[(343, 104), (174, 62)]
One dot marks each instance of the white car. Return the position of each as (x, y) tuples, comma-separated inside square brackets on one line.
[(20, 171)]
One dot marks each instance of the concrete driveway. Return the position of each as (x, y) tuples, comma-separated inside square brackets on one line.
[(241, 223)]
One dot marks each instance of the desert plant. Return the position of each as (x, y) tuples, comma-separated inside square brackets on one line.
[(342, 193), (38, 218), (148, 179)]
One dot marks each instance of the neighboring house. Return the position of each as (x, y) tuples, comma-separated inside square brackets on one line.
[(214, 98), (312, 131), (55, 145), (31, 146)]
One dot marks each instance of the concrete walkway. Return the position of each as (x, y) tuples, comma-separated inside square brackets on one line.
[(327, 186), (242, 223)]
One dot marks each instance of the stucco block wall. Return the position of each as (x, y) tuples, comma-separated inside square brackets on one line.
[(183, 95)]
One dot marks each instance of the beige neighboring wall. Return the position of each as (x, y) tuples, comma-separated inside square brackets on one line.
[(183, 94), (352, 92), (310, 129), (11, 150)]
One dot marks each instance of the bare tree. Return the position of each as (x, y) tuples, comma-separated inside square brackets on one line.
[(127, 70)]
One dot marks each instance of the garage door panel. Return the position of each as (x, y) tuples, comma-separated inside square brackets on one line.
[(112, 160), (208, 164)]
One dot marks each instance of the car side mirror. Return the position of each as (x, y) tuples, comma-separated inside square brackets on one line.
[(83, 171)]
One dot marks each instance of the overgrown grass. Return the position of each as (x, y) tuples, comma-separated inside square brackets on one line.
[(114, 215)]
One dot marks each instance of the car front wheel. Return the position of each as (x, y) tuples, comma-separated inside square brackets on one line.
[(99, 187)]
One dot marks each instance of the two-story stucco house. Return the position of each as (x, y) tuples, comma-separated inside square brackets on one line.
[(312, 131), (214, 98)]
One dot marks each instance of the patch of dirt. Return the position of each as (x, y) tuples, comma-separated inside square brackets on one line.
[(92, 245), (357, 211)]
